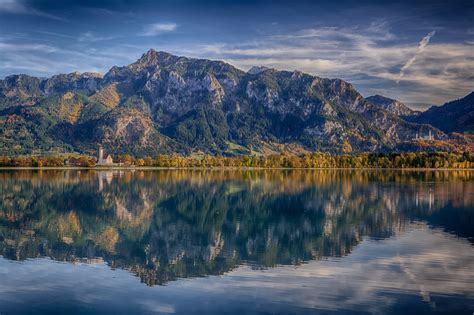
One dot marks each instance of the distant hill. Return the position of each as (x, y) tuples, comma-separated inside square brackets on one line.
[(393, 106), (455, 116), (164, 103)]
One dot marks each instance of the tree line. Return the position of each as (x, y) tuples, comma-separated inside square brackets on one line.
[(283, 160)]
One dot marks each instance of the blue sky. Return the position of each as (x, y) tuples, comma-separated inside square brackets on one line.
[(420, 52)]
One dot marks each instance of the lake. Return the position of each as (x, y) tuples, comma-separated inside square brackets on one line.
[(236, 242)]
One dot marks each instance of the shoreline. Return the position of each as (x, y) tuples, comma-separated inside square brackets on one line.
[(157, 168)]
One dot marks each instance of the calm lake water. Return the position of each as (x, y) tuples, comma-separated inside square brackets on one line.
[(236, 242)]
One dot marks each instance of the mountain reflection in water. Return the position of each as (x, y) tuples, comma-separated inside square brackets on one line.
[(165, 225)]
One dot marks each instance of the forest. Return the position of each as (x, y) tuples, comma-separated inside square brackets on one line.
[(437, 160)]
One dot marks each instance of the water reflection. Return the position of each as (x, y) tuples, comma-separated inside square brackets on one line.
[(164, 225)]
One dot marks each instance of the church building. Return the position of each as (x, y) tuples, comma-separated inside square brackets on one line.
[(108, 159)]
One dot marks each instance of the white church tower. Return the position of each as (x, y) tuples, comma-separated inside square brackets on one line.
[(101, 161), (101, 153)]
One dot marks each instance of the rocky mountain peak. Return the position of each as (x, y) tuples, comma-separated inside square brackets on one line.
[(92, 75), (154, 58), (394, 106), (257, 69)]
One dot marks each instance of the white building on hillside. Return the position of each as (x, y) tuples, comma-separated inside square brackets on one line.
[(430, 136), (108, 159)]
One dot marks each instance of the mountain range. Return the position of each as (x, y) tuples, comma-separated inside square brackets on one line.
[(164, 103), (455, 116)]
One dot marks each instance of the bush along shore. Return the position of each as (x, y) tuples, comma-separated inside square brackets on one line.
[(439, 160)]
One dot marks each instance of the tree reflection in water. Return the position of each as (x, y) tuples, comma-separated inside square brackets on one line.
[(164, 225)]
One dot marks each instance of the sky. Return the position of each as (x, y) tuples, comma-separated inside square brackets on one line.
[(419, 52)]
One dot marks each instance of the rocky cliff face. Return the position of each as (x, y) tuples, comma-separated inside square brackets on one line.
[(391, 105), (165, 103)]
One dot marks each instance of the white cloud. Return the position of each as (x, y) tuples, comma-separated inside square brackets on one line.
[(56, 34), (13, 6), (8, 47), (19, 7), (91, 37), (46, 60), (371, 58), (158, 28), (421, 47)]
